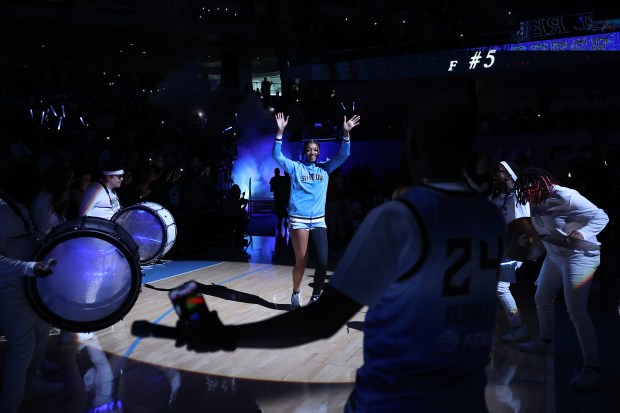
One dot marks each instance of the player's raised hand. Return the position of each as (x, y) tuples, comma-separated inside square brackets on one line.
[(351, 123)]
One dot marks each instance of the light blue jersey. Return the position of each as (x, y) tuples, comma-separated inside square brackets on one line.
[(309, 183)]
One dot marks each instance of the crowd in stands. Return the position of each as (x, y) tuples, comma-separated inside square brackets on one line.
[(380, 28), (83, 117)]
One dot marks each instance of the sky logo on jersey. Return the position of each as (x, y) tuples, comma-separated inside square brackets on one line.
[(312, 177)]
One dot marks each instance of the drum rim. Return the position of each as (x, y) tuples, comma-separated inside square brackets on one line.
[(46, 314), (125, 236)]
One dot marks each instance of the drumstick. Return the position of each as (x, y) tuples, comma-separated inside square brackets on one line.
[(47, 269), (50, 263)]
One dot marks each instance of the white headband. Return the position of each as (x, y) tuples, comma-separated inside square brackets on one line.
[(509, 170), (108, 173)]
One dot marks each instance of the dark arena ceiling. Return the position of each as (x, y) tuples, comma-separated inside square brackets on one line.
[(153, 35)]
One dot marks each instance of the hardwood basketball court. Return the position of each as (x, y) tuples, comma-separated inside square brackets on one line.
[(117, 372)]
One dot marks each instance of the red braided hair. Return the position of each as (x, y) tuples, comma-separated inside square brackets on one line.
[(534, 186)]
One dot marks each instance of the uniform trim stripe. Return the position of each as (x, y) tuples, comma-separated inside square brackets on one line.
[(425, 243), (306, 220)]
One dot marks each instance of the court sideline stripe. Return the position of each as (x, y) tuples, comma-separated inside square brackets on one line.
[(183, 273), (133, 345)]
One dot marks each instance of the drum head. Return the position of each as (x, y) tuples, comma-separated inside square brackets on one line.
[(151, 226), (96, 280)]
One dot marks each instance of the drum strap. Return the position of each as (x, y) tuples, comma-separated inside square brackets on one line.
[(107, 191)]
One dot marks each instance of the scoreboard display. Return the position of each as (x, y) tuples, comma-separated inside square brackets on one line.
[(598, 49)]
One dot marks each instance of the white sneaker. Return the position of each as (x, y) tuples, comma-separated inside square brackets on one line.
[(537, 346), (296, 301), (515, 334), (85, 336), (587, 379)]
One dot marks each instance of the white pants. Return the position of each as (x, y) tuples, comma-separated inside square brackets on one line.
[(508, 303), (507, 275), (574, 273)]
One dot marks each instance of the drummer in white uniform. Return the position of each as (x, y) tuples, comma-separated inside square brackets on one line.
[(100, 198), (569, 224), (503, 197)]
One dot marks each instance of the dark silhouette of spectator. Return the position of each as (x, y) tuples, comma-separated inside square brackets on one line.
[(265, 90), (196, 200), (233, 211), (287, 177), (281, 188), (128, 194), (162, 181)]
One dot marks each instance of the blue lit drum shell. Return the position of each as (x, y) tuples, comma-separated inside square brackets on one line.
[(152, 228), (96, 280)]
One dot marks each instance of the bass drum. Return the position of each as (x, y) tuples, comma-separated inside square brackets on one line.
[(96, 279), (152, 228), (525, 244)]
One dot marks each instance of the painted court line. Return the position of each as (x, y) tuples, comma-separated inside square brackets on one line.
[(137, 340), (156, 278)]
